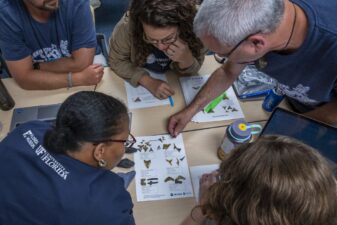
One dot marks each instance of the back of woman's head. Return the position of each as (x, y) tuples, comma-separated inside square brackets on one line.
[(274, 181), (163, 14), (85, 117)]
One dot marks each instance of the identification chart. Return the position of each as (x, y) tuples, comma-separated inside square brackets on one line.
[(161, 168), (140, 97), (228, 109), (196, 174)]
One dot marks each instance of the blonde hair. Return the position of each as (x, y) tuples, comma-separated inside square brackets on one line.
[(274, 181)]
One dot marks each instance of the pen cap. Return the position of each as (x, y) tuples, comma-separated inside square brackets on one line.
[(239, 131), (273, 99)]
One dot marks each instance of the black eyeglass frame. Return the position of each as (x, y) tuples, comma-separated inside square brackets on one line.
[(127, 143), (223, 59)]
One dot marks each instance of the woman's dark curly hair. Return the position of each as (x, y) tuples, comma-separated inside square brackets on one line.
[(160, 14)]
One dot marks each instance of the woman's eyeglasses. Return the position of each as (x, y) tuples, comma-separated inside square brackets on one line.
[(165, 41), (128, 143)]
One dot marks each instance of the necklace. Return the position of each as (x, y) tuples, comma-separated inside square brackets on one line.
[(262, 62), (292, 28)]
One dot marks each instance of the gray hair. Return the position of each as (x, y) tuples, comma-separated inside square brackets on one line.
[(230, 21)]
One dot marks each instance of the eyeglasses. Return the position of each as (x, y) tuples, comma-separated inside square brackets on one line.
[(165, 41), (223, 59), (128, 143)]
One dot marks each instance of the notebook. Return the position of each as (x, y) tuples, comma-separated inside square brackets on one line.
[(42, 112), (313, 133)]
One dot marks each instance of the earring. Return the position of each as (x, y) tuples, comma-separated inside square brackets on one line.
[(102, 163)]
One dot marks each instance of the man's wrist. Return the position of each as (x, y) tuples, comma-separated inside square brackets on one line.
[(197, 104)]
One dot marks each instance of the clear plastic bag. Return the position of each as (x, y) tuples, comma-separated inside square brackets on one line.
[(253, 84)]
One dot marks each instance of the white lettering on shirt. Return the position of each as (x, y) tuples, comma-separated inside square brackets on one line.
[(44, 155), (52, 53), (30, 138)]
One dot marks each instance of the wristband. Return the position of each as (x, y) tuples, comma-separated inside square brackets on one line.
[(69, 80)]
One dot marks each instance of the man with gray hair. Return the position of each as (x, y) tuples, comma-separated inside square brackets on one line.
[(294, 42)]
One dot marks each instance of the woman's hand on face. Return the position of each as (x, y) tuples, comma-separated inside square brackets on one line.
[(206, 181), (160, 89), (181, 53)]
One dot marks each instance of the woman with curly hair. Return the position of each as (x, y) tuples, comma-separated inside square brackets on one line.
[(156, 35), (274, 181)]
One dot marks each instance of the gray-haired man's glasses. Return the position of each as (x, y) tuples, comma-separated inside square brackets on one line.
[(220, 58)]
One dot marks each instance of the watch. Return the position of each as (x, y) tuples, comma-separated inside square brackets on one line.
[(36, 66)]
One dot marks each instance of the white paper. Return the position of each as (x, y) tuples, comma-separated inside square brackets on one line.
[(197, 172), (161, 168), (227, 109), (140, 97)]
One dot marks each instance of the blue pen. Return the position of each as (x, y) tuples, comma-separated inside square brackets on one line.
[(171, 101), (254, 94)]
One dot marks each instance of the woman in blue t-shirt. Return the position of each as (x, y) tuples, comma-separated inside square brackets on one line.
[(156, 35), (60, 174)]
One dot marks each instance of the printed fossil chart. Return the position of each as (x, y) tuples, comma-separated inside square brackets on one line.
[(139, 97), (161, 168), (227, 109)]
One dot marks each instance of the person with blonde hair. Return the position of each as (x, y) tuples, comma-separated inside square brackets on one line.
[(273, 181)]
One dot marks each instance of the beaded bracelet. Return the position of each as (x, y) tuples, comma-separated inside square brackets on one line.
[(69, 79)]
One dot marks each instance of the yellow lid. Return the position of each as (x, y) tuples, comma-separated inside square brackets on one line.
[(242, 126)]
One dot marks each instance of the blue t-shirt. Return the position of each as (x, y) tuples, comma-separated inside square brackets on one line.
[(157, 61), (309, 75), (38, 187), (68, 29)]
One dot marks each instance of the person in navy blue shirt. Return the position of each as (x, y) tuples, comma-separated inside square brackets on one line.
[(60, 174), (294, 42), (49, 44)]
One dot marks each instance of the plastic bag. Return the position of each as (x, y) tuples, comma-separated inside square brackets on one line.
[(253, 84)]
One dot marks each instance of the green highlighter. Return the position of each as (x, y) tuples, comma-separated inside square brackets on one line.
[(214, 103)]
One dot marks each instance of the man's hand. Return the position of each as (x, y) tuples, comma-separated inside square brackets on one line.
[(89, 76), (160, 89), (181, 53), (178, 121)]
